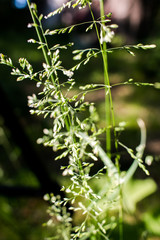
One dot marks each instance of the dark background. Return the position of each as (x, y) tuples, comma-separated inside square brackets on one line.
[(27, 170)]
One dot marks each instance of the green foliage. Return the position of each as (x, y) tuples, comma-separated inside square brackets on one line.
[(137, 190), (76, 135)]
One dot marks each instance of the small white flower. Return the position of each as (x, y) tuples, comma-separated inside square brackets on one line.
[(39, 141), (38, 84), (32, 41), (108, 35), (49, 223), (67, 172), (68, 73), (30, 25), (46, 66), (32, 111), (46, 131)]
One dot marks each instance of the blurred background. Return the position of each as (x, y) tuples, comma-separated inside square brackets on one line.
[(28, 170)]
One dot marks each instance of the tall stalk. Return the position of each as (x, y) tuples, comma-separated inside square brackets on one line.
[(108, 96), (45, 51), (103, 48), (110, 119), (40, 37), (109, 112)]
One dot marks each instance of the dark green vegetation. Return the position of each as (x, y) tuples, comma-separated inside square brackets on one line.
[(130, 103)]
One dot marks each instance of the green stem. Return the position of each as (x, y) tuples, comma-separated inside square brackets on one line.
[(107, 90), (108, 98), (38, 32), (103, 48), (109, 112), (121, 214), (110, 119), (45, 49)]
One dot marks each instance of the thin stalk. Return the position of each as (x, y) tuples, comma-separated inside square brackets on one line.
[(111, 119), (109, 112), (121, 214), (45, 50), (108, 99), (38, 34), (41, 38), (107, 83)]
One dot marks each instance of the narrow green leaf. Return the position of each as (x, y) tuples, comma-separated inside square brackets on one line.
[(40, 17), (70, 30), (90, 27)]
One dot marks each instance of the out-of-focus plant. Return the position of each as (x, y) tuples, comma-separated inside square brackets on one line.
[(77, 137)]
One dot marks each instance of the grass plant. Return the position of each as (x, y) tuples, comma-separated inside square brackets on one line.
[(76, 135)]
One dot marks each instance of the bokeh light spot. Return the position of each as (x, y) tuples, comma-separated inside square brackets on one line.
[(20, 3)]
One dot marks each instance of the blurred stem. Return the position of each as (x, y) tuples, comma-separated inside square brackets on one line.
[(110, 119), (109, 112), (103, 48), (140, 151), (107, 85)]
